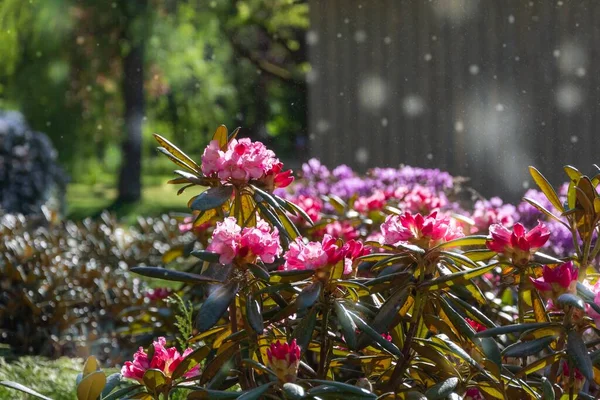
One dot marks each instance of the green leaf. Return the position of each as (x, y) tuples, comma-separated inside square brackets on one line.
[(568, 299), (539, 364), (474, 240), (529, 348), (442, 389), (190, 361), (176, 160), (577, 351), (212, 198), (347, 324), (388, 312), (545, 211), (254, 315), (364, 327), (515, 328), (176, 153), (546, 188), (457, 278), (293, 391), (215, 306), (547, 389), (91, 365), (339, 388), (91, 386), (491, 350), (305, 329), (309, 295), (121, 393), (25, 389), (171, 275), (256, 393), (220, 136), (154, 379), (201, 393), (290, 276), (206, 255), (112, 381)]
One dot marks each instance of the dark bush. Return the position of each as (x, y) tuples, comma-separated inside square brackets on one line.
[(29, 174), (65, 288)]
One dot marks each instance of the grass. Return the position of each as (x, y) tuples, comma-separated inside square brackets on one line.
[(87, 200), (55, 379)]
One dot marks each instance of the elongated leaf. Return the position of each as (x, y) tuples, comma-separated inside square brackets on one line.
[(479, 255), (547, 389), (173, 150), (364, 327), (457, 278), (526, 349), (568, 299), (577, 351), (539, 364), (309, 295), (290, 227), (91, 365), (342, 388), (293, 391), (206, 255), (91, 386), (220, 136), (254, 315), (190, 361), (204, 394), (154, 379), (491, 351), (112, 381), (219, 362), (442, 389), (122, 393), (474, 240), (347, 324), (299, 211), (305, 329), (212, 198), (215, 306), (25, 389), (176, 160), (171, 275), (388, 312), (546, 188), (545, 211), (256, 393)]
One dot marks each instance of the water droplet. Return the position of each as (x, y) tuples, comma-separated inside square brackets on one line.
[(362, 155), (459, 126), (499, 107), (574, 139), (372, 92), (346, 20), (322, 126), (556, 53), (360, 36), (387, 40), (339, 35), (429, 156), (384, 122), (511, 19), (473, 69), (413, 105), (581, 72), (568, 97), (312, 38), (427, 57)]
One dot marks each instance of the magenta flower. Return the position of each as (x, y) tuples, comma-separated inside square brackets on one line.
[(423, 199), (212, 159), (163, 359), (374, 202), (473, 393), (315, 255), (589, 310), (250, 244), (312, 205), (475, 325), (284, 360), (558, 280), (226, 240), (416, 229), (519, 244), (158, 294)]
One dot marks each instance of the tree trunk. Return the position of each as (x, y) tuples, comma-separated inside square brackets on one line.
[(130, 185)]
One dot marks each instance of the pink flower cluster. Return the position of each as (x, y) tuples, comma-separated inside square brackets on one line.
[(242, 161), (423, 199), (416, 229), (284, 360), (315, 255), (519, 244), (163, 359), (558, 280), (230, 241), (374, 202), (311, 205)]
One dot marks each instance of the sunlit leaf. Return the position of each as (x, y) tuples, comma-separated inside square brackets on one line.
[(91, 365), (253, 314), (442, 389), (25, 389), (91, 386), (220, 136), (309, 295), (190, 361), (212, 198), (539, 364), (177, 154), (154, 379), (529, 348), (546, 188)]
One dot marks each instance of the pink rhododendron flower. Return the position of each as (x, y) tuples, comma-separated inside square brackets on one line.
[(579, 379), (260, 242), (374, 202), (226, 240), (284, 360), (163, 359), (558, 280), (242, 161), (315, 255), (519, 244), (492, 211), (423, 199), (416, 229), (230, 241), (342, 229), (589, 309), (311, 205)]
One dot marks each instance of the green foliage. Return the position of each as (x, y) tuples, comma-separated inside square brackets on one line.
[(184, 320)]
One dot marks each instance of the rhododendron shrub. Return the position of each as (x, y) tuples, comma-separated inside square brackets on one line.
[(386, 285)]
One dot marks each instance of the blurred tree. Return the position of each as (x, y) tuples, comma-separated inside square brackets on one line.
[(98, 75)]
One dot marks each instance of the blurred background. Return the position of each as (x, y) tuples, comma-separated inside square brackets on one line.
[(479, 88)]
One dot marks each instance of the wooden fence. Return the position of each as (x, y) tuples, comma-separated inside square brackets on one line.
[(481, 88)]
